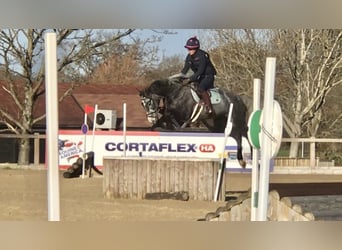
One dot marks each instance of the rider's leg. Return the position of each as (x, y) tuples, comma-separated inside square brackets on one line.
[(205, 84), (206, 99)]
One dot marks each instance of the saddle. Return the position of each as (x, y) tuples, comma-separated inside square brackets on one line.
[(214, 94)]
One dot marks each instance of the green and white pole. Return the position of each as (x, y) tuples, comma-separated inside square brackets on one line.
[(266, 141), (255, 127)]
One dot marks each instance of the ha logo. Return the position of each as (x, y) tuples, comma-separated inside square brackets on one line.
[(207, 148)]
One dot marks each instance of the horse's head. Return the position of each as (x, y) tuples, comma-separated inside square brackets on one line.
[(150, 104)]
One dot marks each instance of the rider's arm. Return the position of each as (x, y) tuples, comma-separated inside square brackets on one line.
[(186, 66), (177, 75)]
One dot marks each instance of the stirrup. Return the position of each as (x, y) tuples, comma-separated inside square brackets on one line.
[(208, 109)]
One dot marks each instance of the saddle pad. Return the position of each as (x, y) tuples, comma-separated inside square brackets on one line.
[(214, 94)]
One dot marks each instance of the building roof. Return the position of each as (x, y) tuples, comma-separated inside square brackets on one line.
[(71, 109)]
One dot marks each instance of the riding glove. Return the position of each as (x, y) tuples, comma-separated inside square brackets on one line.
[(187, 81)]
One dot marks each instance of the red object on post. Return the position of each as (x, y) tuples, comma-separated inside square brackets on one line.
[(88, 109)]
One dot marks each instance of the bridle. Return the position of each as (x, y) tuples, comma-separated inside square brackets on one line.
[(151, 108)]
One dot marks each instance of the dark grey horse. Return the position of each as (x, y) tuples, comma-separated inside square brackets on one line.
[(179, 101)]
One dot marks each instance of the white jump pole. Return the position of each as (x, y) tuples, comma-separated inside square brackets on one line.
[(84, 145), (52, 126), (255, 160), (124, 127), (227, 131), (267, 119), (94, 128)]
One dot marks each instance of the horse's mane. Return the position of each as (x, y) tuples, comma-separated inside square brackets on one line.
[(164, 86), (175, 80)]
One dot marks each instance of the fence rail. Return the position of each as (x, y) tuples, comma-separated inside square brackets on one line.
[(313, 141), (36, 137)]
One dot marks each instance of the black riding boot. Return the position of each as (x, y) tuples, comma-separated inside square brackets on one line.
[(206, 99)]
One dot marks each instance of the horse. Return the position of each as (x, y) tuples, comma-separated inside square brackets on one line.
[(181, 108)]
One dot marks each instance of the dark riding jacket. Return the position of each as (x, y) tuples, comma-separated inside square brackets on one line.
[(200, 64)]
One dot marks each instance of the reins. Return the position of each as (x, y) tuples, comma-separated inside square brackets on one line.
[(178, 81)]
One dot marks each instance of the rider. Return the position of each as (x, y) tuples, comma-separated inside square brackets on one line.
[(204, 71)]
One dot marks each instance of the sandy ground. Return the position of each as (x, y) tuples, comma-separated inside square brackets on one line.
[(23, 196)]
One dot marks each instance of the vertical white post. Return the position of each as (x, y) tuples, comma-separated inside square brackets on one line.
[(255, 160), (124, 127), (267, 119), (84, 145), (227, 130), (52, 126), (94, 128), (312, 154)]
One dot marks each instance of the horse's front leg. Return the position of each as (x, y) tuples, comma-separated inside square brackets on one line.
[(160, 123), (238, 139), (173, 122), (167, 121)]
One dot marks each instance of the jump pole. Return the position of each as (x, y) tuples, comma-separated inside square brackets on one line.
[(267, 120), (227, 131), (52, 126), (124, 111), (94, 128), (85, 143), (255, 160)]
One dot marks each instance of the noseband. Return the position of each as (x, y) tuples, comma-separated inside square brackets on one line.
[(151, 107)]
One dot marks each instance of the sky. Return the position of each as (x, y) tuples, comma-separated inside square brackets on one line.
[(172, 44)]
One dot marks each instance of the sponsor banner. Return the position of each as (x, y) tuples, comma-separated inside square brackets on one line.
[(149, 144)]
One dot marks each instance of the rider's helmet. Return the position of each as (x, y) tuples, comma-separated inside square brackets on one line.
[(192, 43)]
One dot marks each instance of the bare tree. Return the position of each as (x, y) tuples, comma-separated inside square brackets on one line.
[(167, 67), (313, 61), (128, 64), (22, 62), (309, 66), (120, 68), (239, 57)]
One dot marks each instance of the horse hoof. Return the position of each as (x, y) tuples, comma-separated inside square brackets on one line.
[(242, 163)]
